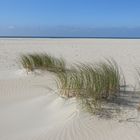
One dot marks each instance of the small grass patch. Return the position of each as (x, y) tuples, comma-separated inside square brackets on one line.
[(42, 61)]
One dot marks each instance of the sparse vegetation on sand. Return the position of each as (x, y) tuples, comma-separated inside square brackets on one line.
[(42, 61), (91, 84)]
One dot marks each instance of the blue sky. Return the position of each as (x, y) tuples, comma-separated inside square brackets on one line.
[(115, 18)]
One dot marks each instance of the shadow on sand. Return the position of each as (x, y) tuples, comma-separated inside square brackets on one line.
[(124, 102)]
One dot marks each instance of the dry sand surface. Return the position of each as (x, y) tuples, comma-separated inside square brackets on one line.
[(30, 108)]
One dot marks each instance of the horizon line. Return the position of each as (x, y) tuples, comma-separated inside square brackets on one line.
[(86, 37)]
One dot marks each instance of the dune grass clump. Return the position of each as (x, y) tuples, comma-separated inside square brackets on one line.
[(91, 84), (26, 62), (102, 82), (70, 83), (43, 62), (112, 79)]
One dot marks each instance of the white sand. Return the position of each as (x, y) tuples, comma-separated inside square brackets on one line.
[(30, 108)]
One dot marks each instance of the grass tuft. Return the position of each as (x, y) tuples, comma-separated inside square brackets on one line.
[(91, 84), (43, 62)]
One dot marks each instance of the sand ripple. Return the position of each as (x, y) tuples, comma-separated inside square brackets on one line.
[(29, 109)]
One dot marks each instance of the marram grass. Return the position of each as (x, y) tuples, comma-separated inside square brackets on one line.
[(91, 84), (42, 61)]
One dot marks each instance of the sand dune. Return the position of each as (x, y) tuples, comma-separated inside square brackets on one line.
[(30, 108)]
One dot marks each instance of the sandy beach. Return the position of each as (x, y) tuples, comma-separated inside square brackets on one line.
[(30, 108)]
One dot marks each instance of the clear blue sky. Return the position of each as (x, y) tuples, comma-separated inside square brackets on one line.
[(70, 17)]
